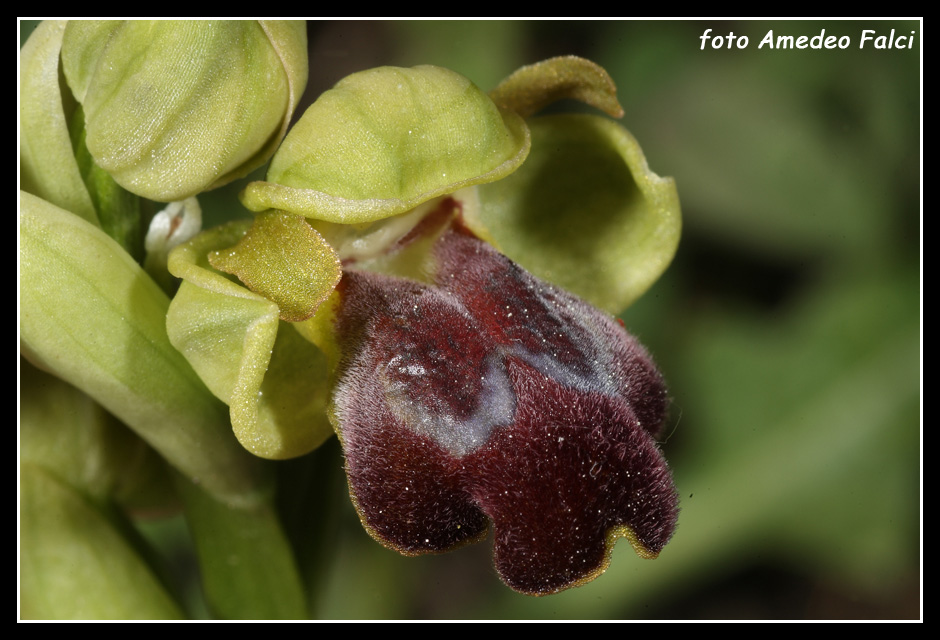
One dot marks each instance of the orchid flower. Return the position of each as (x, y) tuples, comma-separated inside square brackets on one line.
[(461, 386), (429, 275)]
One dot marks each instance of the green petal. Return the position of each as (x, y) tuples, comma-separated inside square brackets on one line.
[(75, 564), (584, 212), (273, 380), (385, 140), (175, 108), (285, 260), (91, 315), (47, 162), (536, 86)]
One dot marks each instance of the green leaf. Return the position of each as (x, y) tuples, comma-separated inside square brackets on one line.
[(75, 564), (91, 315), (47, 162), (584, 211), (385, 140), (65, 431), (177, 107), (273, 380)]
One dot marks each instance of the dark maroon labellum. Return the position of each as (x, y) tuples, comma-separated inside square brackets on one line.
[(490, 394)]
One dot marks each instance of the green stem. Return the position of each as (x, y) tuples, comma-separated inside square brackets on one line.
[(119, 210), (248, 566)]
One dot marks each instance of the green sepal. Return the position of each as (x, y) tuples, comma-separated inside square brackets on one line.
[(584, 212), (174, 108), (385, 140), (89, 314), (273, 380)]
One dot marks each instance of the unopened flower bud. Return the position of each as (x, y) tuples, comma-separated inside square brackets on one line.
[(173, 108)]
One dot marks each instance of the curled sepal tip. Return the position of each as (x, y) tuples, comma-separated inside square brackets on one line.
[(534, 87), (284, 259), (385, 140), (551, 433)]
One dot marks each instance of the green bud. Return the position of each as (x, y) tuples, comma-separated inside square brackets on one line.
[(175, 108)]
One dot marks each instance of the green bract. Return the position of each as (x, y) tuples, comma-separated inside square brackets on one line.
[(64, 430), (92, 316), (175, 108), (75, 563), (47, 163), (75, 458)]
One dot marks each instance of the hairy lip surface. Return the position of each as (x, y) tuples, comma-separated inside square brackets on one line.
[(493, 395)]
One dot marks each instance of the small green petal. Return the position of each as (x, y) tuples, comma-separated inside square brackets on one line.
[(224, 338), (584, 212), (47, 162), (531, 88), (285, 260), (273, 380), (92, 316), (385, 140), (177, 107)]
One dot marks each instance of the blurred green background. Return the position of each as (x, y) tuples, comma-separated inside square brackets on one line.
[(788, 328)]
